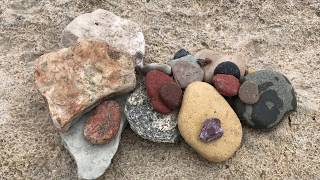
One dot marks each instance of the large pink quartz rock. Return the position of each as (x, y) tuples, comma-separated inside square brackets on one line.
[(75, 79)]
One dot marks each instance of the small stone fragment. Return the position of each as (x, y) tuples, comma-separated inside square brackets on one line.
[(227, 85), (249, 92), (227, 68), (146, 122), (104, 123), (211, 130), (204, 62), (181, 53), (157, 66), (185, 72), (154, 81), (171, 95)]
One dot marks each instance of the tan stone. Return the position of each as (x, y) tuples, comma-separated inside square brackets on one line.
[(75, 79), (200, 102), (218, 58)]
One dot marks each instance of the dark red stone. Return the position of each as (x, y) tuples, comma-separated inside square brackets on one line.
[(227, 85), (104, 123), (171, 95), (211, 130), (154, 81)]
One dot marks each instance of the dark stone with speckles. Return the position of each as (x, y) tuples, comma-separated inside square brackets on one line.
[(229, 68), (181, 53), (277, 98)]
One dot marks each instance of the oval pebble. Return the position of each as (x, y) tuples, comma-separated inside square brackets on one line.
[(229, 68), (171, 95), (249, 92), (226, 85)]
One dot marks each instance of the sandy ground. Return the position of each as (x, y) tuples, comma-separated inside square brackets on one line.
[(282, 35)]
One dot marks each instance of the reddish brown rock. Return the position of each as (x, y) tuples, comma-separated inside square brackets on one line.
[(171, 95), (74, 79), (104, 123), (154, 81), (227, 85)]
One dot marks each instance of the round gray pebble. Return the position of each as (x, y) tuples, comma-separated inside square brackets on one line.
[(147, 123), (249, 92)]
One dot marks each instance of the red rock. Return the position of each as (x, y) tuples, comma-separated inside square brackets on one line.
[(171, 95), (227, 85), (104, 123), (154, 81)]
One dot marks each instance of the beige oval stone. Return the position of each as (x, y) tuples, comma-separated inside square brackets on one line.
[(200, 102), (218, 58)]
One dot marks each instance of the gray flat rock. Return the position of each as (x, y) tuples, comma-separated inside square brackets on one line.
[(92, 160), (148, 123)]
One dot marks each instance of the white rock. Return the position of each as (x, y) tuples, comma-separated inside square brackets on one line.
[(92, 160), (106, 26)]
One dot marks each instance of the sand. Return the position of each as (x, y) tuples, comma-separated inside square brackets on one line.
[(281, 35)]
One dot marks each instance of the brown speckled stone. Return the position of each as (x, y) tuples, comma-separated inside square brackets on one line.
[(249, 92)]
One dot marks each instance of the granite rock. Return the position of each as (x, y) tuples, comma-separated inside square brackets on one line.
[(171, 95), (200, 102), (92, 160), (104, 123), (186, 72), (75, 79), (277, 98), (227, 85), (147, 123), (165, 68), (217, 58), (103, 25), (249, 92)]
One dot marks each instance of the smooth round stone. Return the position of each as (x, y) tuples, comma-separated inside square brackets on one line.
[(227, 68), (171, 95), (165, 68), (218, 58), (104, 123), (249, 92), (185, 72), (147, 123), (277, 98), (181, 53), (202, 101), (154, 81), (227, 85)]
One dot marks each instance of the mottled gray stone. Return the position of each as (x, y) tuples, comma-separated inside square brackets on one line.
[(157, 66), (92, 160), (103, 25), (148, 123), (277, 98), (188, 58)]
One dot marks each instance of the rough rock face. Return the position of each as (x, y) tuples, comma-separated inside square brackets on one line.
[(148, 123), (103, 25), (92, 160), (73, 80), (103, 123)]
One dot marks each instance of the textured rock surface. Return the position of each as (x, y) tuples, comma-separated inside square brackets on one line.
[(268, 32), (211, 130), (226, 85), (249, 92), (217, 58), (73, 80), (201, 102), (103, 124), (103, 25), (157, 66), (277, 98), (92, 160), (185, 72), (154, 81), (147, 123), (171, 95)]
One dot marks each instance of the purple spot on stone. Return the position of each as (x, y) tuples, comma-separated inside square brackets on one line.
[(211, 130)]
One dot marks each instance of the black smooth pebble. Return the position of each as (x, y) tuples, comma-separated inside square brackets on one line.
[(228, 68), (181, 53)]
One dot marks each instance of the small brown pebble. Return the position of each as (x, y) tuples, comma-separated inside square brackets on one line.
[(249, 92), (104, 123), (171, 95)]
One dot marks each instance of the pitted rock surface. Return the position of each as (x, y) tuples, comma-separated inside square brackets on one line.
[(147, 123), (277, 98), (103, 25), (74, 79)]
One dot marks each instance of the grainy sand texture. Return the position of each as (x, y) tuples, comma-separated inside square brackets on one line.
[(280, 35)]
